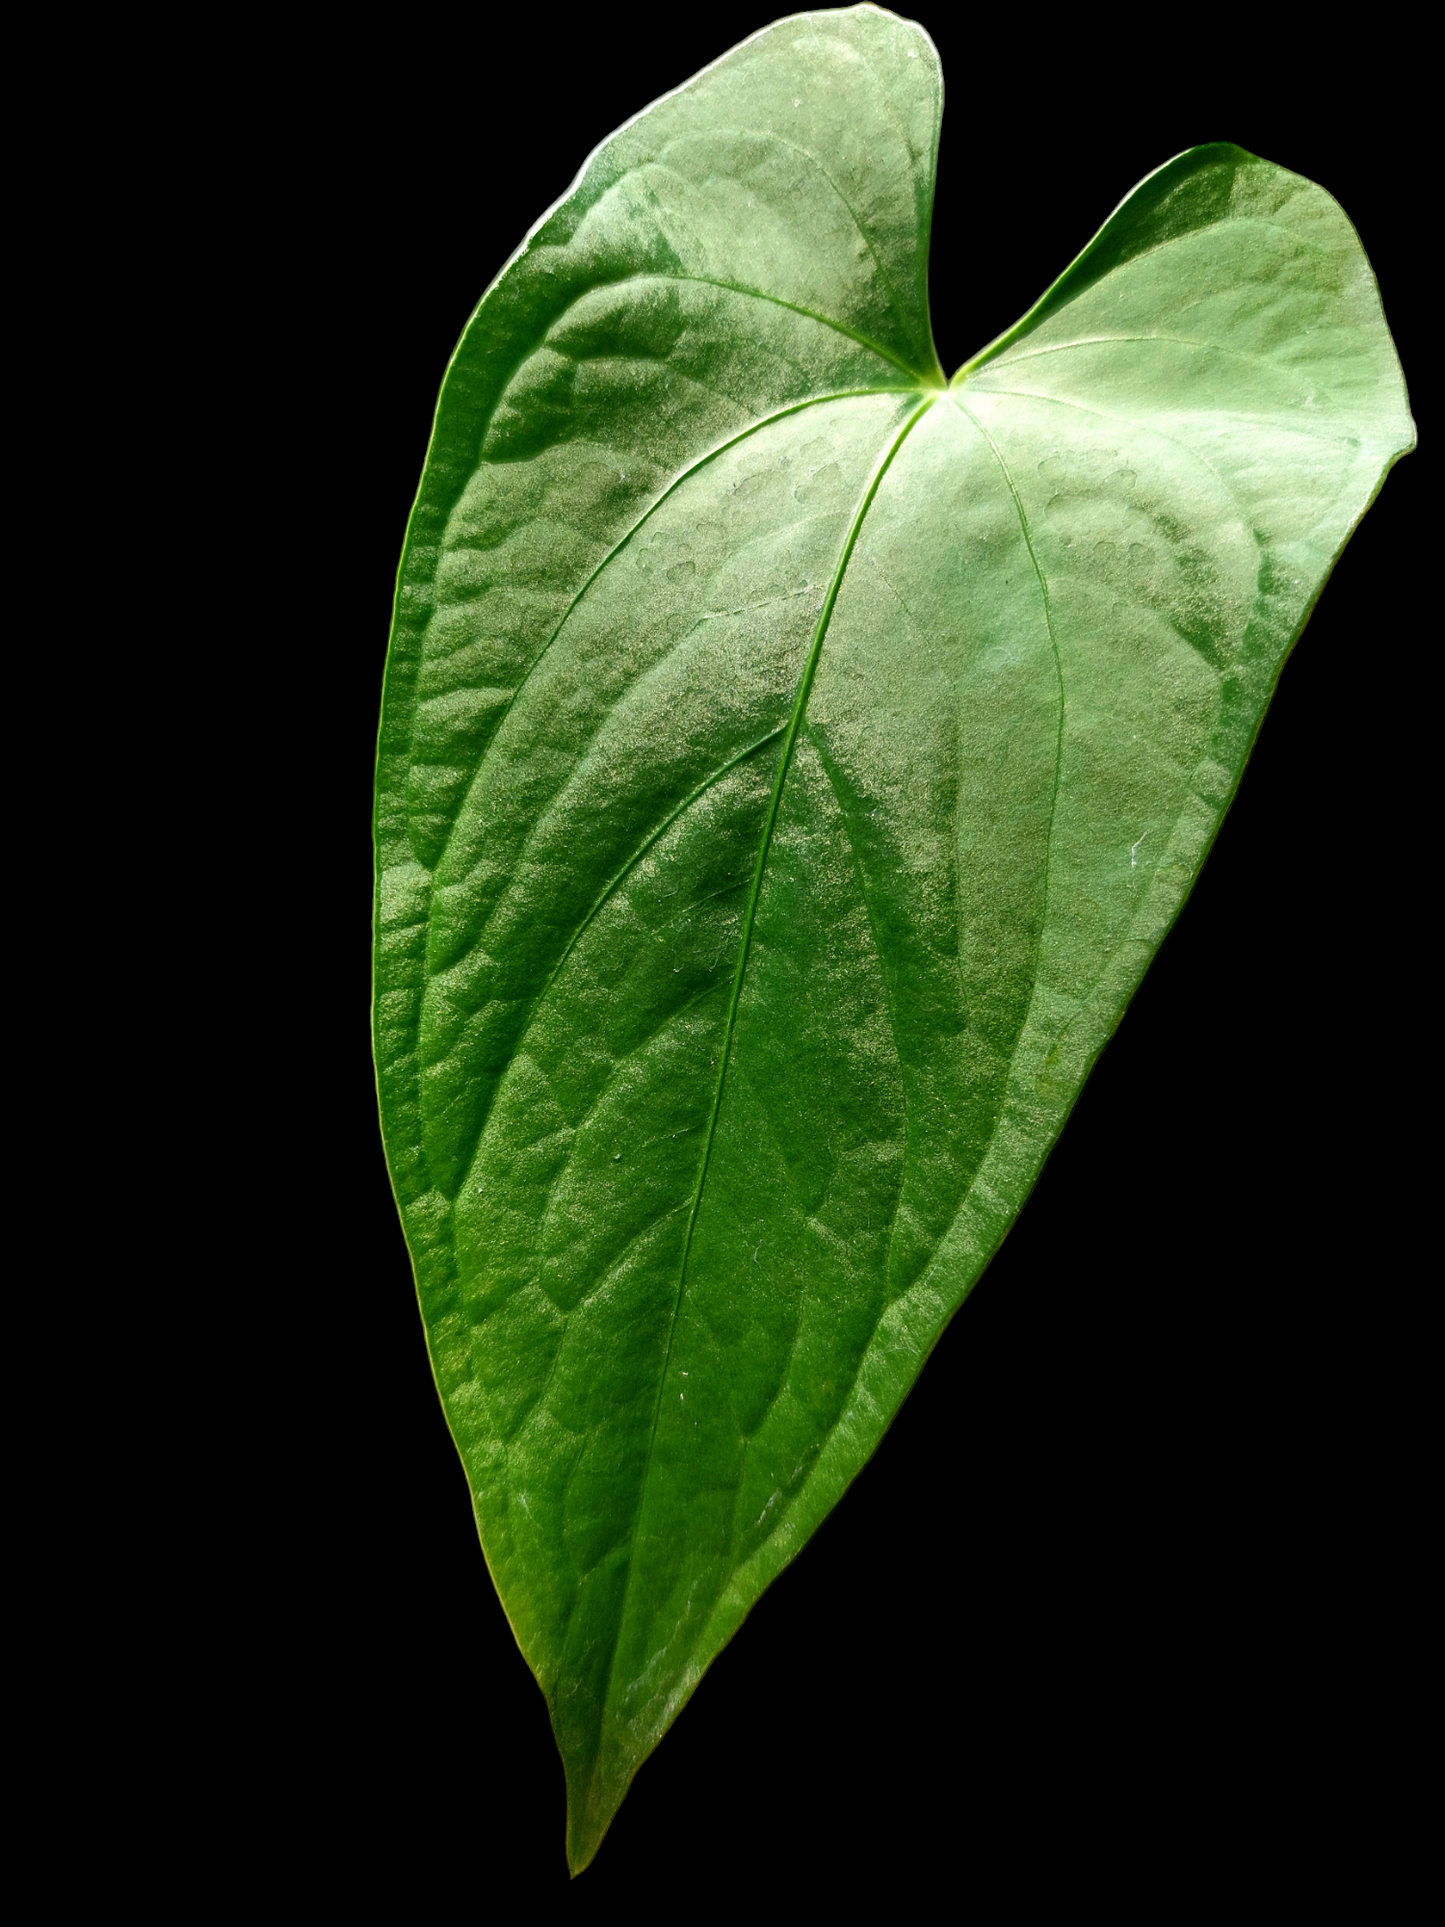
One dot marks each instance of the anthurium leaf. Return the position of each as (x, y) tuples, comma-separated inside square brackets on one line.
[(790, 763)]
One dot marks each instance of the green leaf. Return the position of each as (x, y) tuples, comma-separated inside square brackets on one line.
[(790, 764)]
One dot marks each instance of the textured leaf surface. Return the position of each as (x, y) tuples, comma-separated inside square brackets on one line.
[(789, 766)]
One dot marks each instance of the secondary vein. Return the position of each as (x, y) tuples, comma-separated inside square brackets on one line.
[(809, 314), (1111, 341), (609, 890), (963, 409), (1027, 533), (765, 421)]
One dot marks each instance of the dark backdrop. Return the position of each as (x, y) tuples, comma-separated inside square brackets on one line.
[(1115, 1603)]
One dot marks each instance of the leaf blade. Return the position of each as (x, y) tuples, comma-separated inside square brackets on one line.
[(628, 720)]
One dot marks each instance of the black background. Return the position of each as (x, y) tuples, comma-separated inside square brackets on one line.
[(1115, 1611)]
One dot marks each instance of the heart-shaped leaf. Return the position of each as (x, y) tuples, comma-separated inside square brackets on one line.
[(790, 763)]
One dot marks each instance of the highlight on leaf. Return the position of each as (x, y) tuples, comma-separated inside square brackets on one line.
[(790, 762)]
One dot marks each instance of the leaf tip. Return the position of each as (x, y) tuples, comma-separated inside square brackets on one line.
[(587, 1824)]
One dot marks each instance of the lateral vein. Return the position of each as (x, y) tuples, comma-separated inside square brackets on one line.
[(765, 421)]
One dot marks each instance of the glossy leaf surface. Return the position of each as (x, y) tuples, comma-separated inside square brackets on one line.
[(790, 764)]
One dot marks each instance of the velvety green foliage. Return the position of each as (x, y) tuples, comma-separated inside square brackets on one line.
[(790, 765)]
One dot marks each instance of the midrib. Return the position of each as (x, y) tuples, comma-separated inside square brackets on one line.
[(795, 721)]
